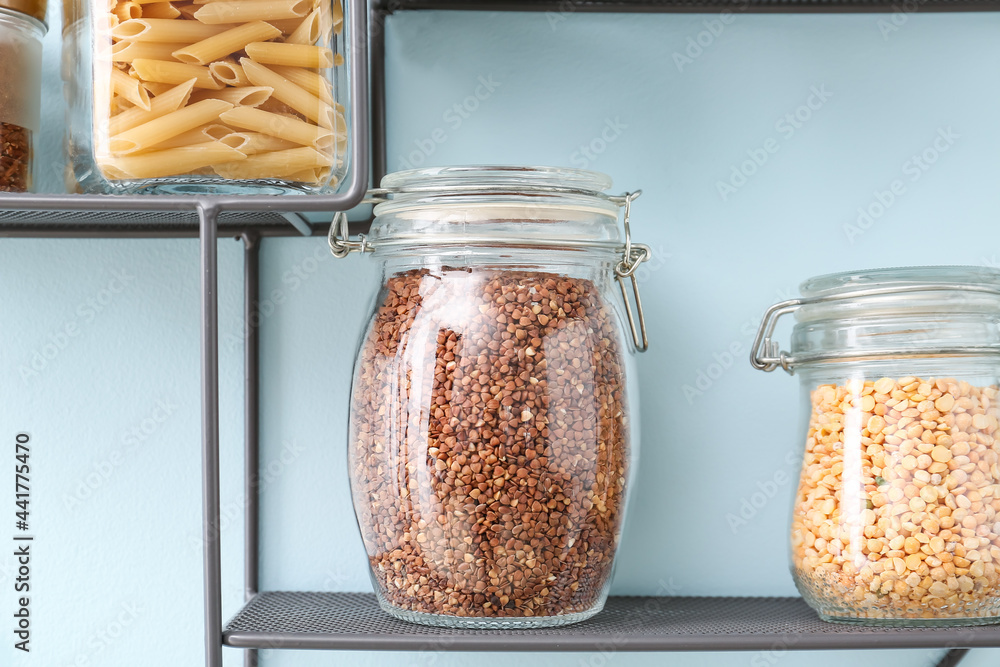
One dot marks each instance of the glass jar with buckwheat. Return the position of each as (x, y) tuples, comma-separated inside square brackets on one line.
[(493, 428)]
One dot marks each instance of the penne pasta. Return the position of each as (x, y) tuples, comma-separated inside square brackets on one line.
[(168, 126), (304, 102), (119, 104), (219, 46), (237, 89), (162, 104), (277, 164), (311, 82), (171, 161), (252, 143), (199, 135), (286, 26), (292, 55), (127, 10), (280, 108), (163, 71), (306, 176), (290, 129), (155, 88), (229, 72), (307, 32), (129, 88), (252, 96), (235, 140), (331, 19), (243, 11), (127, 51), (166, 30), (160, 10), (218, 131)]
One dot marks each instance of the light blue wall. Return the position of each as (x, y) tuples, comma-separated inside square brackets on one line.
[(124, 560)]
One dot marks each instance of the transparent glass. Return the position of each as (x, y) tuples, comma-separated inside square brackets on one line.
[(20, 96), (214, 98), (895, 518), (490, 432)]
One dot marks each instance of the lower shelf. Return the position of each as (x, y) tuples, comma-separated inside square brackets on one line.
[(353, 621)]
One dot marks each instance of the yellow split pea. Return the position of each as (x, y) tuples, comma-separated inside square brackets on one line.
[(896, 515)]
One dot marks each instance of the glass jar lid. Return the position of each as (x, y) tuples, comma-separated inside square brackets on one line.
[(485, 208), (33, 8), (909, 312), (495, 205)]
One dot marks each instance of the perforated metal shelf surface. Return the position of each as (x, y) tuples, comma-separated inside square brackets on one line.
[(735, 6), (353, 621)]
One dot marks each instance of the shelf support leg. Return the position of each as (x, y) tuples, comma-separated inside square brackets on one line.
[(377, 93), (208, 232), (251, 426), (953, 657)]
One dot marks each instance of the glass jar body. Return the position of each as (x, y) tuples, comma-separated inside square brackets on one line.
[(490, 436), (201, 101), (20, 97), (895, 517)]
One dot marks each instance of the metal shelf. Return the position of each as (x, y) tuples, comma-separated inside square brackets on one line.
[(690, 6), (71, 215), (354, 621), (148, 224)]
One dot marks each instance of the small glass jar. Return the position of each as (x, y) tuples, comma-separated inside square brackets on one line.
[(895, 520), (227, 97), (491, 441), (22, 26)]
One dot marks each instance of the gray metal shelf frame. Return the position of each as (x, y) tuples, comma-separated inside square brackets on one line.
[(205, 217), (698, 6), (353, 621)]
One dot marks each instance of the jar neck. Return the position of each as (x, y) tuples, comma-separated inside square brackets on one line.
[(595, 265), (977, 370), (27, 24), (904, 337)]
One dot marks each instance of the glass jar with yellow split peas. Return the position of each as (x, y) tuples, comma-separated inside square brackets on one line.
[(896, 519), (206, 96)]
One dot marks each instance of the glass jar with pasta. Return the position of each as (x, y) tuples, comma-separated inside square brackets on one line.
[(206, 96)]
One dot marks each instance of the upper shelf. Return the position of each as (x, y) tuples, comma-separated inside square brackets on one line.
[(688, 6), (353, 621), (69, 215)]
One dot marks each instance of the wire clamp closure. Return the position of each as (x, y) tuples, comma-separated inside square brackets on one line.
[(633, 255), (339, 237), (766, 353)]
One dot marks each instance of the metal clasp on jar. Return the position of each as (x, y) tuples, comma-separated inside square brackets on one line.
[(633, 255), (766, 354)]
